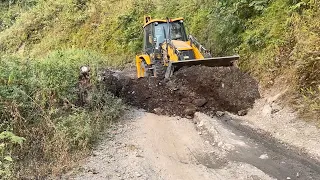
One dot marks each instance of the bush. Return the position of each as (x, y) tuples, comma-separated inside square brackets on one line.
[(8, 142), (39, 102), (284, 41)]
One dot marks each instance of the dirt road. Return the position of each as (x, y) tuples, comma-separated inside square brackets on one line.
[(147, 146)]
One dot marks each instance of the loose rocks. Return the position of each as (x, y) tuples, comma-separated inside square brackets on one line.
[(200, 102), (196, 88), (242, 112)]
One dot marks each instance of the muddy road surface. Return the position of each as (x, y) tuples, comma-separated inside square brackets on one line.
[(149, 146)]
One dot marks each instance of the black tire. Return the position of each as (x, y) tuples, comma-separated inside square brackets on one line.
[(146, 70), (159, 69)]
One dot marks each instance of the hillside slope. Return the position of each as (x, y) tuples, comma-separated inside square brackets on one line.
[(274, 38)]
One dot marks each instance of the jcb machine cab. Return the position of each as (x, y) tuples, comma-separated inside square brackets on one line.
[(167, 48)]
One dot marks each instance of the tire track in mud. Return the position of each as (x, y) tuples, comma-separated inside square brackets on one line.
[(259, 149)]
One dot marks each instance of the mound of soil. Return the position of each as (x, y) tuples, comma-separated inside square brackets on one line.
[(191, 89)]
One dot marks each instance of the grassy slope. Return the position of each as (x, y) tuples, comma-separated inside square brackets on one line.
[(41, 55), (284, 42), (57, 25)]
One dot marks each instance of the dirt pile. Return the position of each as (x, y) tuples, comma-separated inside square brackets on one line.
[(197, 88)]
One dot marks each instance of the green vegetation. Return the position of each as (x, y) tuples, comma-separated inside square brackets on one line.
[(39, 102), (284, 42), (44, 42)]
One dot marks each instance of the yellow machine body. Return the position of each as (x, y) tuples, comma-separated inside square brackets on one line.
[(167, 45)]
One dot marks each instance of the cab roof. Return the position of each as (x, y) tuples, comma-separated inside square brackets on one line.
[(148, 20)]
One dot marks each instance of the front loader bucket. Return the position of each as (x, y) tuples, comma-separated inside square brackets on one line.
[(211, 62)]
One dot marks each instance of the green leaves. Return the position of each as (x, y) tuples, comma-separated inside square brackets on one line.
[(9, 136), (259, 5), (8, 158), (39, 101), (7, 141)]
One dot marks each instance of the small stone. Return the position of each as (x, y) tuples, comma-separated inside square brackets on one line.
[(138, 155), (81, 169), (242, 112), (190, 111), (273, 111), (186, 100), (298, 174), (220, 113), (288, 178), (158, 111), (138, 175), (199, 102), (184, 162), (200, 124), (264, 156), (189, 117), (200, 133), (266, 110), (94, 171)]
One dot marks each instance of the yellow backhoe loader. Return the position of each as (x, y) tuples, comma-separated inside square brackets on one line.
[(167, 48)]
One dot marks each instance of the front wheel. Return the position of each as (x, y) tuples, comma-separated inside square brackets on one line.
[(159, 69), (144, 69)]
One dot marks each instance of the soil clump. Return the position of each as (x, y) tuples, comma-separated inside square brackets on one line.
[(191, 89)]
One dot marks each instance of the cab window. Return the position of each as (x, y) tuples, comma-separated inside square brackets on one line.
[(148, 38)]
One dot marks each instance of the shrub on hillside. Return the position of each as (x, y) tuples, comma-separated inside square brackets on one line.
[(38, 100)]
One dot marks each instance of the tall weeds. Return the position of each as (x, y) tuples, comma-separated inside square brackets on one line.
[(39, 103)]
